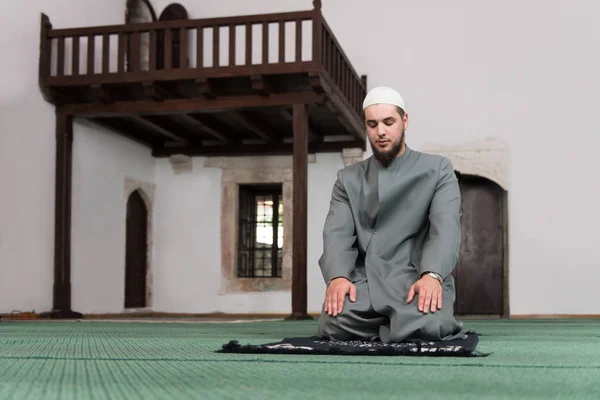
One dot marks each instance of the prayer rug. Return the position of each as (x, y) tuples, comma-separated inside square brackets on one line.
[(313, 345)]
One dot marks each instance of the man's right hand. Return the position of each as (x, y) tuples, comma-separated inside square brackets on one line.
[(337, 290)]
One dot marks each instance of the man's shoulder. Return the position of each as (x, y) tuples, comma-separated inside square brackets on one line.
[(355, 170), (431, 159)]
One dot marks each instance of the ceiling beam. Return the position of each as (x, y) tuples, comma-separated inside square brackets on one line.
[(313, 134), (190, 105), (205, 88), (254, 149), (124, 129), (101, 93), (194, 121), (260, 131), (154, 91), (158, 129), (260, 85)]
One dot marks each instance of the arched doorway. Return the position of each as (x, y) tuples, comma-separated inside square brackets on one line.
[(138, 12), (172, 12), (136, 250), (481, 273)]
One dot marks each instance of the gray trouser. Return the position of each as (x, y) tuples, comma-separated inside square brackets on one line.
[(359, 321)]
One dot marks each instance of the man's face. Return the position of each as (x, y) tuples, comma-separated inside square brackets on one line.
[(385, 128)]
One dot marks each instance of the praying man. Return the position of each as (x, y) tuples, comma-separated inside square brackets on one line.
[(391, 238)]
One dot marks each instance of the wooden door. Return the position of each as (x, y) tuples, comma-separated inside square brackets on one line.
[(479, 274), (136, 252)]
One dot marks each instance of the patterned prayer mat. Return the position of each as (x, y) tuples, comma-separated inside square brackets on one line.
[(313, 345)]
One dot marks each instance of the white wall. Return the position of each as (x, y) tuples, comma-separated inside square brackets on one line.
[(27, 148), (187, 242), (102, 161), (524, 72), (187, 238)]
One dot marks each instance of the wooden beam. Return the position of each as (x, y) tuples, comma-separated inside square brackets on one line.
[(154, 91), (194, 120), (300, 216), (342, 108), (152, 126), (125, 129), (317, 83), (260, 131), (346, 120), (186, 106), (181, 74), (205, 88), (253, 149), (61, 293), (101, 93), (313, 133), (188, 23), (260, 86)]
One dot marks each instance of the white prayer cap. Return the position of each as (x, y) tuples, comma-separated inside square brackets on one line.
[(383, 95)]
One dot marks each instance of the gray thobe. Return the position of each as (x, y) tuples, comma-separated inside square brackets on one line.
[(385, 227)]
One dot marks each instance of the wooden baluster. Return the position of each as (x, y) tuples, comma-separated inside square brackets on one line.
[(331, 56), (91, 57), (216, 46), (324, 47), (231, 45), (135, 56), (183, 48), (60, 66), (45, 67), (298, 40), (354, 101), (248, 44), (340, 67), (318, 28), (200, 47), (362, 92), (345, 76), (75, 56), (122, 50), (168, 49), (106, 53), (334, 64), (152, 51), (265, 43), (282, 42)]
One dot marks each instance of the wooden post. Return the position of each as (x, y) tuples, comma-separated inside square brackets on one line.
[(300, 165), (61, 298)]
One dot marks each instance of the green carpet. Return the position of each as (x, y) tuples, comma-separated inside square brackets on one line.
[(540, 359)]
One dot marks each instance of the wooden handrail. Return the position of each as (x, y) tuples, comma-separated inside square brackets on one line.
[(328, 57), (344, 56), (186, 24)]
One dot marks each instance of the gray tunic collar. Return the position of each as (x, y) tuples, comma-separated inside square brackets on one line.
[(397, 161)]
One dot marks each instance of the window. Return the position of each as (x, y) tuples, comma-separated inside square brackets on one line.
[(260, 227)]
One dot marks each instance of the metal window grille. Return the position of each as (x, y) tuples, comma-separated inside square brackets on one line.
[(260, 240)]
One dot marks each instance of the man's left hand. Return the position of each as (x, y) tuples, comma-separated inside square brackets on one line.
[(430, 294)]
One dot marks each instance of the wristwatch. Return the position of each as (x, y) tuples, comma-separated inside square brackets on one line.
[(435, 275)]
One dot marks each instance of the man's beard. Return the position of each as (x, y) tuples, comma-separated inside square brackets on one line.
[(386, 157)]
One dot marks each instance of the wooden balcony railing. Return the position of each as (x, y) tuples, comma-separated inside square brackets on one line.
[(201, 48)]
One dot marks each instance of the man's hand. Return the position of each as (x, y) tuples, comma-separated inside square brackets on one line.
[(337, 290), (430, 294)]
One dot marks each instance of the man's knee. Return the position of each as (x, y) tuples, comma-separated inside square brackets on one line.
[(437, 326), (333, 328)]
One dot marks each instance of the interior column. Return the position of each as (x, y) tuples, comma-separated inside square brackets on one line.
[(299, 247), (61, 298)]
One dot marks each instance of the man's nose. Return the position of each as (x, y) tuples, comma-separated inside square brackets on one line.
[(380, 130)]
